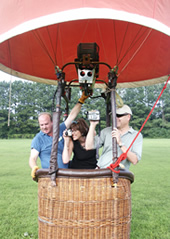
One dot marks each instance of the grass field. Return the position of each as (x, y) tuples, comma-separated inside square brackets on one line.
[(150, 192)]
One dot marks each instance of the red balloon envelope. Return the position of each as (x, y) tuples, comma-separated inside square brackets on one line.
[(36, 36)]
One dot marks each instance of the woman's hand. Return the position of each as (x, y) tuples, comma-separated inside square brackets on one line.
[(68, 148), (64, 133), (66, 136), (94, 122)]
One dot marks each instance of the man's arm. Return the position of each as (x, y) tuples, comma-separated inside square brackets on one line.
[(135, 153), (33, 158), (133, 157), (33, 162)]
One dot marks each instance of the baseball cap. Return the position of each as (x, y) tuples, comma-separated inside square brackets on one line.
[(125, 109)]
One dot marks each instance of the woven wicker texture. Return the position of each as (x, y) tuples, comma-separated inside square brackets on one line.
[(84, 208)]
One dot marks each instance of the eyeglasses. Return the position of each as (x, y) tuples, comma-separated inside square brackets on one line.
[(119, 116)]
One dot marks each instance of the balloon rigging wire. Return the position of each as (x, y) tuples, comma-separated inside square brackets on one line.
[(123, 41), (61, 48), (136, 38), (85, 29), (57, 34), (101, 39), (135, 52), (57, 38), (114, 28), (42, 44), (132, 44), (9, 110), (52, 46), (10, 87)]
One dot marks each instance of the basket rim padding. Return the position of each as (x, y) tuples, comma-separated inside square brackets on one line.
[(85, 173)]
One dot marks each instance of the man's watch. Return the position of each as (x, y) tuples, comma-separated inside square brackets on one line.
[(120, 145)]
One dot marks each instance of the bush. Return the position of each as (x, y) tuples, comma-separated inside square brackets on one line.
[(158, 133), (21, 136)]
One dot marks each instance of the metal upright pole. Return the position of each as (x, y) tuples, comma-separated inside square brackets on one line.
[(108, 109), (56, 129), (112, 85)]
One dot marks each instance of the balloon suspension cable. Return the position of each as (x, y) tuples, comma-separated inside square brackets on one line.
[(60, 74), (119, 100), (67, 98), (56, 127), (136, 52), (123, 156), (9, 111), (10, 88), (112, 77)]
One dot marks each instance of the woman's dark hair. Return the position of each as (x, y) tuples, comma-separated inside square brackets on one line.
[(80, 125)]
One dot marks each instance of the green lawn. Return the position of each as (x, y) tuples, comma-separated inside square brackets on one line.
[(150, 192)]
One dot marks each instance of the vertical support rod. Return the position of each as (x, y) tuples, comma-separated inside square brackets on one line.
[(9, 111), (67, 97), (56, 129), (112, 84), (108, 109), (114, 125)]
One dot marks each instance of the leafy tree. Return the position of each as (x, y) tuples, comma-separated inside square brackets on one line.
[(141, 100), (29, 99), (4, 105)]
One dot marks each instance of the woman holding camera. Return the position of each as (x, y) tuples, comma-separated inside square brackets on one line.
[(80, 142)]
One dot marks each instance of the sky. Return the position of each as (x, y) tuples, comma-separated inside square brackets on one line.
[(6, 77)]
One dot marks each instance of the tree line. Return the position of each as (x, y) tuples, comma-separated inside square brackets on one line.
[(18, 113)]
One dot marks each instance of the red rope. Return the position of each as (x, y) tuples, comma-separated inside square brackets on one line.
[(124, 155)]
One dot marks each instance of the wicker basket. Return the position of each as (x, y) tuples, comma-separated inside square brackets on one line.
[(84, 205)]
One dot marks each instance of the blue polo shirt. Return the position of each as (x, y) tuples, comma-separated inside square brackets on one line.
[(43, 144)]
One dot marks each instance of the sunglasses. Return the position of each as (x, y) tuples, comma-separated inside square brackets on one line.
[(74, 122), (119, 116)]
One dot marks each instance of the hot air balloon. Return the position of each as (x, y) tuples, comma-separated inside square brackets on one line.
[(128, 45)]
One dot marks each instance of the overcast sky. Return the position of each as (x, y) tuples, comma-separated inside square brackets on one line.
[(7, 77)]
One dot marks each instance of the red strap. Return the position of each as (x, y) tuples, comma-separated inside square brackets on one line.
[(116, 164), (124, 155)]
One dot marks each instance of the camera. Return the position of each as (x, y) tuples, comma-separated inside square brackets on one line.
[(68, 132), (93, 115)]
